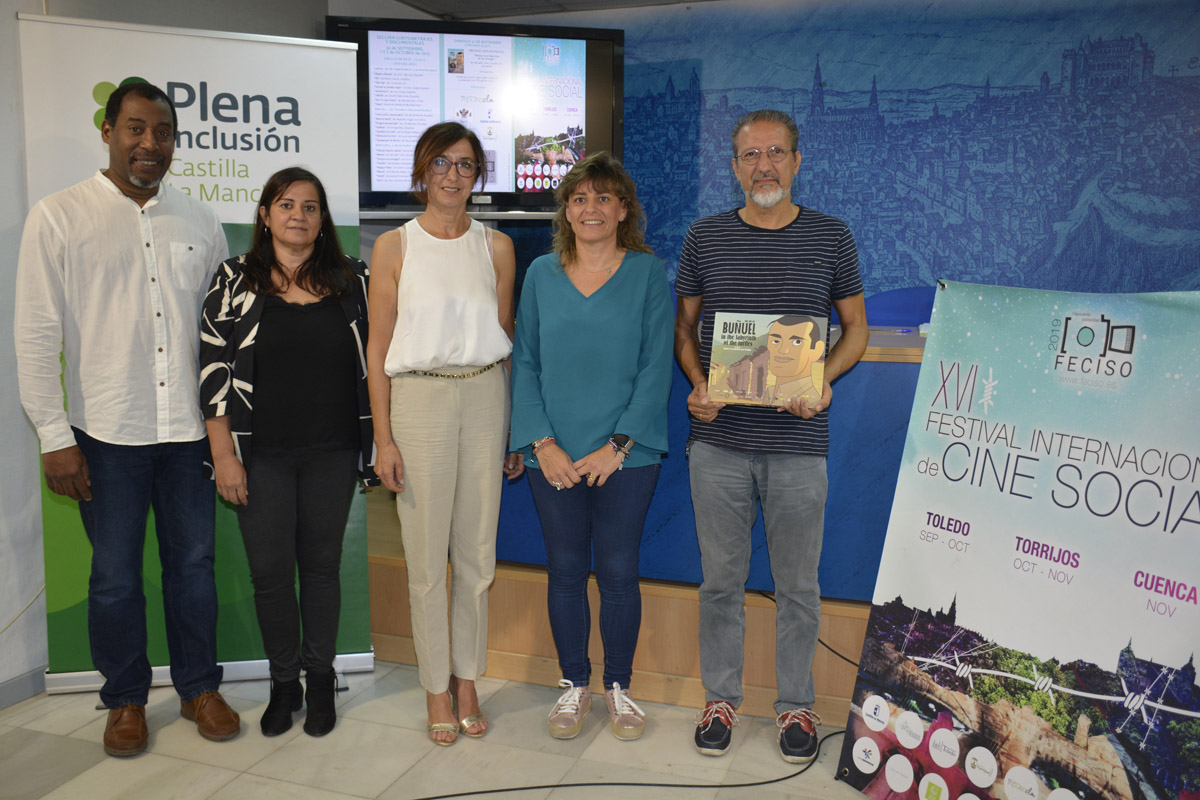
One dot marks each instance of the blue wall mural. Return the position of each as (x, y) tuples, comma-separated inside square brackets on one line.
[(1018, 144), (1039, 144)]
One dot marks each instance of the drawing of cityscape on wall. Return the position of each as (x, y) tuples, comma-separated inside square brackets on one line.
[(1084, 180)]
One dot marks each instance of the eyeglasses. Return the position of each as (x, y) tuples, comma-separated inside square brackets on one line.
[(441, 165), (750, 157)]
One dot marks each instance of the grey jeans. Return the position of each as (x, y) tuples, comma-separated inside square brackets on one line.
[(726, 487)]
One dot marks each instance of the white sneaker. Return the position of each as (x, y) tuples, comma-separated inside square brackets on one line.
[(628, 721), (566, 718)]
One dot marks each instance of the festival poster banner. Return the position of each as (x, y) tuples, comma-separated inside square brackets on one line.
[(1035, 623), (550, 127), (247, 106)]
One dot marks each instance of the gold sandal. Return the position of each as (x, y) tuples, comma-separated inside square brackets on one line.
[(470, 722), (443, 727)]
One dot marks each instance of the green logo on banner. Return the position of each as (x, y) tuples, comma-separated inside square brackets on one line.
[(103, 90)]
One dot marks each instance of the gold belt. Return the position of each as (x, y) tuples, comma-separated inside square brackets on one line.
[(452, 375)]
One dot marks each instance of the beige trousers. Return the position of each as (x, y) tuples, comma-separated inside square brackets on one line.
[(452, 435)]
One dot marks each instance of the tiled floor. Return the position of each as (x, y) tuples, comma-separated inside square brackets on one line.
[(50, 748)]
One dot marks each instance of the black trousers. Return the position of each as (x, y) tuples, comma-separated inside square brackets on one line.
[(296, 518)]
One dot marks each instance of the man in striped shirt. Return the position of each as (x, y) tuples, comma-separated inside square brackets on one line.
[(769, 257)]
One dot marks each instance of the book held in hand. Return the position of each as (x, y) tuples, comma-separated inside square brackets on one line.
[(767, 359)]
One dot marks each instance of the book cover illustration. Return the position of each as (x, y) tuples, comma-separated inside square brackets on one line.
[(766, 359)]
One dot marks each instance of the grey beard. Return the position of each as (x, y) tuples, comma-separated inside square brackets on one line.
[(768, 198), (141, 184)]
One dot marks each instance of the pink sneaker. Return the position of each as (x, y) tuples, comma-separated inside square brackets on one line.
[(566, 718), (628, 721)]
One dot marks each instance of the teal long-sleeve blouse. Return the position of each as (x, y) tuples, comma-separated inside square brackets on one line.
[(585, 368)]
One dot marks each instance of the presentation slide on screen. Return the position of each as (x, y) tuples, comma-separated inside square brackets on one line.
[(523, 98)]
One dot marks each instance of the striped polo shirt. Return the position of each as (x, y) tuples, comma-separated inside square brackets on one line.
[(798, 269)]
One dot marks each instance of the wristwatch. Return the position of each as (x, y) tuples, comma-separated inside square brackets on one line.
[(621, 443)]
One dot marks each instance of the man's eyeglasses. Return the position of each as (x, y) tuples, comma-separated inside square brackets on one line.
[(776, 154), (441, 165)]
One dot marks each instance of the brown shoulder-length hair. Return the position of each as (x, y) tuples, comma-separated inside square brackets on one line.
[(326, 272), (606, 174), (433, 143)]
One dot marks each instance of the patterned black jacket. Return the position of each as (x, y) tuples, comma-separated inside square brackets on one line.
[(228, 324)]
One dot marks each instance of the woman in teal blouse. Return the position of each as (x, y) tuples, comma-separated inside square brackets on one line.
[(591, 377)]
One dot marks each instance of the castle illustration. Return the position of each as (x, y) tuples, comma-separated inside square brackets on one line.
[(1102, 65)]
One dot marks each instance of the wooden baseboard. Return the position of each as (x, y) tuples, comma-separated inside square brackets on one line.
[(666, 669)]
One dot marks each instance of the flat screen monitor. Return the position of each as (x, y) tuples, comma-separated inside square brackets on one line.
[(539, 98)]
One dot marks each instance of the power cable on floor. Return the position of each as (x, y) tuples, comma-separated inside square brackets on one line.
[(800, 771), (32, 600)]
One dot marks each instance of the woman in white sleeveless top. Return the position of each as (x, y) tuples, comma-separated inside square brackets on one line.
[(441, 291)]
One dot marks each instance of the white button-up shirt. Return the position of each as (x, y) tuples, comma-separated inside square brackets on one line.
[(116, 289)]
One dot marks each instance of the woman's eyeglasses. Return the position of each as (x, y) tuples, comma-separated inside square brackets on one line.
[(441, 165)]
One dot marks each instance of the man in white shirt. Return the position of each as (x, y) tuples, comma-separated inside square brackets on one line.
[(112, 273)]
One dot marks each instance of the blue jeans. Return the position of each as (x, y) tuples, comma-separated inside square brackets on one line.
[(126, 482), (726, 488), (604, 522)]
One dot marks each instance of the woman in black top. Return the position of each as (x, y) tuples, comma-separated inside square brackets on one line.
[(282, 367)]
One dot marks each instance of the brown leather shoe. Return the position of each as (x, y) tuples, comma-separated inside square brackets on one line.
[(215, 720), (126, 733)]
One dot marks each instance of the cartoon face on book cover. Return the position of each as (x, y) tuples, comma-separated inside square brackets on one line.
[(766, 359)]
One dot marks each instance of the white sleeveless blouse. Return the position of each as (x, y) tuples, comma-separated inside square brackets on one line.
[(446, 306)]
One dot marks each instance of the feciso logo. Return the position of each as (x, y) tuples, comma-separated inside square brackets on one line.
[(1091, 345)]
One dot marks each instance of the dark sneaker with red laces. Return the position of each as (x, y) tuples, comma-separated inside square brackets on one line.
[(798, 735), (714, 728)]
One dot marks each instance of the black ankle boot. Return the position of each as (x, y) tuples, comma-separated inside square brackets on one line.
[(286, 697), (319, 697)]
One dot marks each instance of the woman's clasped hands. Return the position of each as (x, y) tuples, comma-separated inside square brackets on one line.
[(562, 473)]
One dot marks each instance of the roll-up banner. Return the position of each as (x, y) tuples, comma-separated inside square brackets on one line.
[(248, 106), (1034, 629)]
